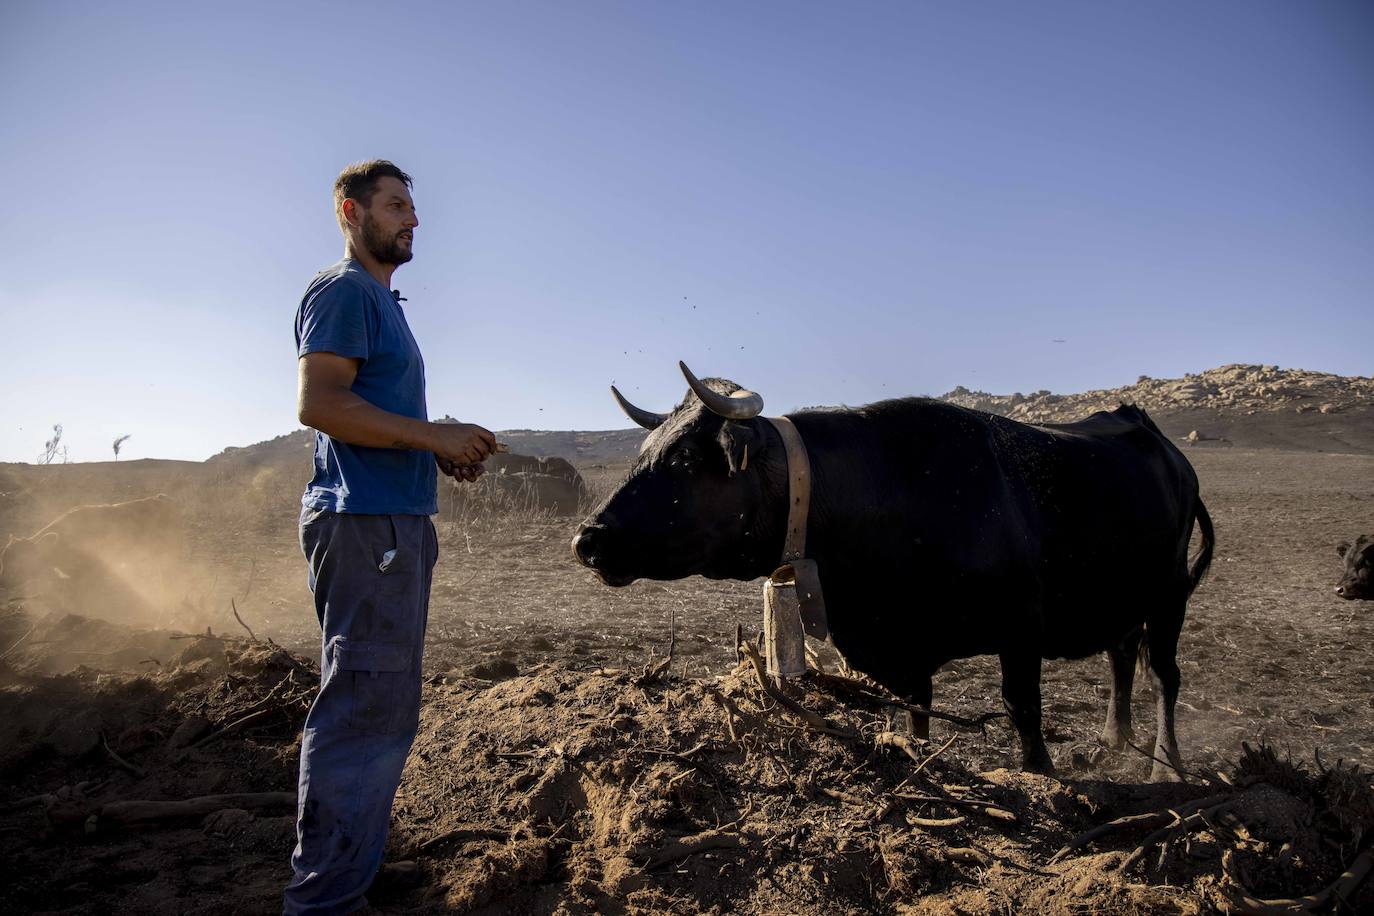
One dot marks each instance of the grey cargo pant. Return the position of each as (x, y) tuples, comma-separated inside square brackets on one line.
[(371, 577)]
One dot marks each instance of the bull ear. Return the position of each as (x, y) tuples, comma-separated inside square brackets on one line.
[(741, 445), (1341, 548)]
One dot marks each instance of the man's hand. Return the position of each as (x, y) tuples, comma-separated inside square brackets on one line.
[(463, 472), (461, 443)]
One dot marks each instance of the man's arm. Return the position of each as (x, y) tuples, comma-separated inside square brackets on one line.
[(325, 401)]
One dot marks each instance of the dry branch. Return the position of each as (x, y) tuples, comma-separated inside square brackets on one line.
[(728, 707), (682, 847), (862, 691), (902, 742), (1166, 835), (137, 771), (1148, 819), (1339, 891), (973, 804), (969, 855), (464, 834), (30, 801), (955, 821), (137, 813), (908, 746), (838, 795), (235, 609), (813, 720)]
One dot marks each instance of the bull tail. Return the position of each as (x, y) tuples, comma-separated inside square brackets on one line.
[(1197, 568), (1200, 563)]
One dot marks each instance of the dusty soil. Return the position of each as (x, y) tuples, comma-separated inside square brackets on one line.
[(553, 774)]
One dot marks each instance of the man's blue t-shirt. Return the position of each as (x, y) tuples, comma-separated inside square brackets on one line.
[(346, 311)]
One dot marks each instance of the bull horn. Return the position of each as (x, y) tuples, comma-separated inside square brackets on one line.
[(645, 418), (742, 405)]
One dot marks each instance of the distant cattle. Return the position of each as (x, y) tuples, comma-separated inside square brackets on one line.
[(140, 528), (1358, 579)]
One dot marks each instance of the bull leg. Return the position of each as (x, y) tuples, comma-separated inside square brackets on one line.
[(1162, 639), (1021, 696), (1122, 658)]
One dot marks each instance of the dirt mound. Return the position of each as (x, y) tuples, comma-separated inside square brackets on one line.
[(630, 791), (170, 791), (614, 792), (1244, 389)]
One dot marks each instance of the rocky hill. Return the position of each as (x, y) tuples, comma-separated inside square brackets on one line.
[(581, 447), (1241, 389), (1244, 405)]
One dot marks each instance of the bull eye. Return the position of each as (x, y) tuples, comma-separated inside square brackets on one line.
[(685, 459)]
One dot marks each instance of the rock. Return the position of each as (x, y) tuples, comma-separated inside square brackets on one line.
[(189, 732), (227, 822), (494, 669), (77, 735), (1194, 436)]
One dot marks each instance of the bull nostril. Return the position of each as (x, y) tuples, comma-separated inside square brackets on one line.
[(584, 545)]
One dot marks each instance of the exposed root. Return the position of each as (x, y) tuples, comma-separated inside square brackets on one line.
[(870, 694), (682, 847), (908, 746), (972, 804), (462, 835), (728, 707), (1148, 819), (1340, 892), (142, 813), (1166, 836), (234, 607), (137, 771)]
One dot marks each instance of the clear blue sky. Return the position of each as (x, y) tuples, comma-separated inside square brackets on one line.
[(830, 203)]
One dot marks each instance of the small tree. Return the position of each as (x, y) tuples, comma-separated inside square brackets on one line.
[(52, 446), (119, 442)]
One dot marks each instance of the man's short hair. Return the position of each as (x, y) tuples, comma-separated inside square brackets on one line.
[(359, 181)]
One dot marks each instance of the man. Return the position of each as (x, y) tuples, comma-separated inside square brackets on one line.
[(367, 537)]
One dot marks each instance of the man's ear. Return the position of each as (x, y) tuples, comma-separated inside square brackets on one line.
[(1341, 548), (741, 445), (352, 212)]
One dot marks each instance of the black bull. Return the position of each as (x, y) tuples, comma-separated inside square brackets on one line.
[(940, 533)]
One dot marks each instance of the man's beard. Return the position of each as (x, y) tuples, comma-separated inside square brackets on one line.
[(387, 249)]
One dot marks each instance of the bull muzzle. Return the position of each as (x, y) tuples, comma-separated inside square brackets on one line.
[(586, 542)]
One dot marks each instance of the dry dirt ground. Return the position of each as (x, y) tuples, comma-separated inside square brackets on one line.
[(560, 768)]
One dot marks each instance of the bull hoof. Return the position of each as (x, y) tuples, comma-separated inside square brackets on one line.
[(1115, 740), (1163, 773), (1040, 764)]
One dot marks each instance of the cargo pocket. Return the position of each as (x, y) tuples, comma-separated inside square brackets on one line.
[(382, 697)]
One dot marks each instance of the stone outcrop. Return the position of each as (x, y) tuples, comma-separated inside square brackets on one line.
[(1237, 389)]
